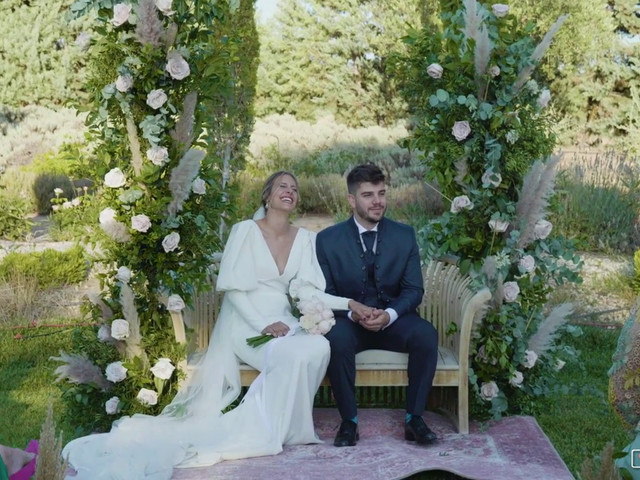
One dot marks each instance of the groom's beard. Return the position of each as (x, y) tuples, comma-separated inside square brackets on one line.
[(372, 216)]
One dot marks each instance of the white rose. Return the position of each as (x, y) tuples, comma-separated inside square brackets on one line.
[(544, 98), (434, 70), (104, 333), (461, 130), (511, 291), (114, 178), (516, 379), (124, 83), (116, 372), (111, 406), (158, 155), (527, 264), (165, 6), (171, 242), (500, 9), (177, 66), (123, 274), (58, 191), (76, 201), (542, 229), (141, 223), (199, 186), (530, 358), (491, 178), (121, 12), (307, 322), (55, 208), (494, 70), (498, 226), (107, 215), (460, 203), (489, 390), (156, 98), (163, 369), (560, 364), (120, 329), (324, 326), (175, 303), (147, 397)]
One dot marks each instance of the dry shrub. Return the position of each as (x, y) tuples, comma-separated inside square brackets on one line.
[(603, 468), (23, 302)]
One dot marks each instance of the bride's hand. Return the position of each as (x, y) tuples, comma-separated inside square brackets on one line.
[(361, 312), (277, 329)]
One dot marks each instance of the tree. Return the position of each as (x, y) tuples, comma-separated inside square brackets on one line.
[(331, 57), (41, 53)]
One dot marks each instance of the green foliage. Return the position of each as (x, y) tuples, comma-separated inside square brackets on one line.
[(14, 224), (44, 190), (331, 57), (40, 61), (485, 131), (49, 267), (597, 200), (169, 121)]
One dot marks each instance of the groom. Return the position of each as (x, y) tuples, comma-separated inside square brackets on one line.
[(375, 260)]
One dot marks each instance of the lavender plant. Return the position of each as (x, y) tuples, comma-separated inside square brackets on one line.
[(483, 124)]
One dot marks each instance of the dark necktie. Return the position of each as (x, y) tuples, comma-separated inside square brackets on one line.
[(369, 238)]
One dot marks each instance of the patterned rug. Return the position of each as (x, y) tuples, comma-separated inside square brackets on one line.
[(509, 449)]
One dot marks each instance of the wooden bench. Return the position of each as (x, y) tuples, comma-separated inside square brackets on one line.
[(449, 303)]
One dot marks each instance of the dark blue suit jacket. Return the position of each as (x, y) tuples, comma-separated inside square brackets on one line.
[(398, 274)]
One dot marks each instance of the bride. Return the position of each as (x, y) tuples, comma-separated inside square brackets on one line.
[(264, 260)]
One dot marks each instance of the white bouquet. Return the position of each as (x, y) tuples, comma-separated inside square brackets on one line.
[(315, 318)]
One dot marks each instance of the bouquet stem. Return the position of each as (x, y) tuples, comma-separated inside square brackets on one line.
[(259, 340)]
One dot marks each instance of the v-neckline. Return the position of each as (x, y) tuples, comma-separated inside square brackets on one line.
[(275, 264)]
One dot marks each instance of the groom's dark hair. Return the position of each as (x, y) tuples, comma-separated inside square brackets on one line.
[(367, 172)]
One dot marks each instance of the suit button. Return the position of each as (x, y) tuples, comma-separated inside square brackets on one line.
[(363, 268), (377, 266)]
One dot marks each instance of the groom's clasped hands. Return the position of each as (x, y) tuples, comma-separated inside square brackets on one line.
[(373, 319)]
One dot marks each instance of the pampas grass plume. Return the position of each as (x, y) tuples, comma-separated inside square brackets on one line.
[(548, 328), (79, 369), (49, 463), (183, 131), (149, 29), (181, 178)]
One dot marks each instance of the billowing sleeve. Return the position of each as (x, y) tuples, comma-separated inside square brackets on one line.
[(237, 274), (310, 282)]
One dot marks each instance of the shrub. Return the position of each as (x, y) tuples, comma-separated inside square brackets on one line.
[(598, 200), (75, 219), (14, 224), (33, 130), (50, 268), (44, 190)]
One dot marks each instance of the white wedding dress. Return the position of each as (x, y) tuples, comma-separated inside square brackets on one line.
[(277, 409)]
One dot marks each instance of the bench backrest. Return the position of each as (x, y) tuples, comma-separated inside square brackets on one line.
[(448, 299)]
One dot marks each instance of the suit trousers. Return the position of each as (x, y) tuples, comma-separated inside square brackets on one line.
[(408, 334)]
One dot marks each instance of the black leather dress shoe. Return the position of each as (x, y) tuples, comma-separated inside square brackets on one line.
[(416, 430), (347, 435)]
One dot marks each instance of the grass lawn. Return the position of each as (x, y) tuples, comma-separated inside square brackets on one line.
[(579, 424)]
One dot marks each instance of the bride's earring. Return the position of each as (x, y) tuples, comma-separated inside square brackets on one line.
[(267, 206)]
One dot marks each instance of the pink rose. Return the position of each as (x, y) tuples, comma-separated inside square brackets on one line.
[(121, 12), (511, 291), (156, 98), (434, 70), (461, 203), (177, 66), (461, 130), (489, 390)]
